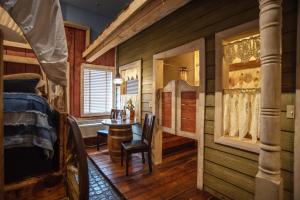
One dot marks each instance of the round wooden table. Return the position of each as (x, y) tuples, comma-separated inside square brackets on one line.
[(120, 130)]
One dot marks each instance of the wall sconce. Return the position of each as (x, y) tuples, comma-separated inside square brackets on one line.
[(183, 73)]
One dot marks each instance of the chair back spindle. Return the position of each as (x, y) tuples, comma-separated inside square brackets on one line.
[(148, 129), (115, 113)]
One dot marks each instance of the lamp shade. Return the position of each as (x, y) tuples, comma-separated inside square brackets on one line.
[(118, 80)]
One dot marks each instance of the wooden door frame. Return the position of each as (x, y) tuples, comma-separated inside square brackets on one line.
[(198, 44), (80, 27)]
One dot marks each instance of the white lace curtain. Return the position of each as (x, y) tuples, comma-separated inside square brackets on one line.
[(241, 114), (242, 50)]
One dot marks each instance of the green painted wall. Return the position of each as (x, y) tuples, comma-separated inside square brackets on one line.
[(229, 172)]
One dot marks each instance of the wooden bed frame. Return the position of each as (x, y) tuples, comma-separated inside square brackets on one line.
[(27, 186)]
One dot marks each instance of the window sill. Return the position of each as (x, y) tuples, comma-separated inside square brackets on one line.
[(245, 144), (102, 116)]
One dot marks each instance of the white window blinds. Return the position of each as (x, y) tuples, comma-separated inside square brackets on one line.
[(97, 91)]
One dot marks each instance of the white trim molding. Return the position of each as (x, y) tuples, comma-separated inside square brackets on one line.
[(297, 115)]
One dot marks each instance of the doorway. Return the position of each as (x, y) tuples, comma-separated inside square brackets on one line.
[(180, 70)]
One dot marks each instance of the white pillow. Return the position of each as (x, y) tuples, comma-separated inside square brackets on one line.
[(26, 76)]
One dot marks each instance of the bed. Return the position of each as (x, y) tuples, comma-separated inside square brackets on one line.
[(34, 144), (30, 136)]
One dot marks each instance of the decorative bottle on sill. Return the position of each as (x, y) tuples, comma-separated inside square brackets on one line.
[(132, 115), (130, 107), (124, 113)]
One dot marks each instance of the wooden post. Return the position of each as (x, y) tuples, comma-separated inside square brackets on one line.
[(1, 121), (297, 114), (268, 182)]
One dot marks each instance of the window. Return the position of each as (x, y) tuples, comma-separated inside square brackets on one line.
[(237, 97), (130, 90), (97, 90), (132, 87)]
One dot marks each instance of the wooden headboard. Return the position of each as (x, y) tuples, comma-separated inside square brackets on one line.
[(19, 59)]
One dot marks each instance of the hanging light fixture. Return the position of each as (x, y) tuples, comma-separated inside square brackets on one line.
[(117, 80)]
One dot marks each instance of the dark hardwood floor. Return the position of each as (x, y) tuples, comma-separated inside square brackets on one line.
[(174, 179), (56, 192)]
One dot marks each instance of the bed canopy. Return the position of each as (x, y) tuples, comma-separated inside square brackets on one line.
[(40, 23)]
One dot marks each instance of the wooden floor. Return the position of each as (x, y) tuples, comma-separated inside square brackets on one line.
[(39, 191), (174, 179)]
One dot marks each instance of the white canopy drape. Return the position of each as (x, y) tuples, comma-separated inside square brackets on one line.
[(10, 29), (41, 23)]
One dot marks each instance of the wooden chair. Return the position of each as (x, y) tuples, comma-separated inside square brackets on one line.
[(114, 114), (77, 166), (140, 146), (83, 176)]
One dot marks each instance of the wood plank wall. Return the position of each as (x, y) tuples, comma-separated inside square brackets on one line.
[(13, 68), (76, 39), (228, 172)]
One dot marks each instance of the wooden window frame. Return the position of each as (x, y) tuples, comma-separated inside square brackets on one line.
[(250, 27), (92, 66)]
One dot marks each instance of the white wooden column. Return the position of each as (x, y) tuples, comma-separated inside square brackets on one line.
[(1, 120), (268, 182), (297, 115)]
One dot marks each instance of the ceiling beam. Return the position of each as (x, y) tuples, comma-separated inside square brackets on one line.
[(121, 18), (138, 16)]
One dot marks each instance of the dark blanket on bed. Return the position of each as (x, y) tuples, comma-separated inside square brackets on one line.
[(29, 121)]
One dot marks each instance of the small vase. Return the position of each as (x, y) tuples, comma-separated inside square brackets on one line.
[(132, 115)]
